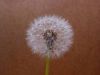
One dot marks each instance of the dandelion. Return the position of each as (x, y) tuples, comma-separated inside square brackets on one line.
[(50, 36)]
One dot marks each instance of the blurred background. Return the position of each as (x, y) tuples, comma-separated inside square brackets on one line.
[(16, 57)]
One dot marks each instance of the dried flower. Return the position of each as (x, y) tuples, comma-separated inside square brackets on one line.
[(50, 36)]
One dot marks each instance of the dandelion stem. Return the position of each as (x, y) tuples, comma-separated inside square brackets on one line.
[(47, 66)]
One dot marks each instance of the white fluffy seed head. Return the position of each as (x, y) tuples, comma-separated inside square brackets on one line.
[(59, 25)]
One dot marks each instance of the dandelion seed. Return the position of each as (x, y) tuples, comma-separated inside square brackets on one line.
[(50, 36)]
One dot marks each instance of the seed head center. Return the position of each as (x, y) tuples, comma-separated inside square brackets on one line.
[(50, 37)]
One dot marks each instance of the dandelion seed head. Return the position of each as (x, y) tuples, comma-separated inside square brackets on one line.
[(57, 26)]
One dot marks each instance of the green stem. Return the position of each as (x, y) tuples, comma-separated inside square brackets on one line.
[(47, 66)]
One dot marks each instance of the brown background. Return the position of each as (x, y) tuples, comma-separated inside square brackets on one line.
[(16, 57)]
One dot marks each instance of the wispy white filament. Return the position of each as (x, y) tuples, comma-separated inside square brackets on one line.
[(59, 25)]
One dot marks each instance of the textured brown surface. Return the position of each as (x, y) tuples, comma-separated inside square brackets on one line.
[(16, 57)]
